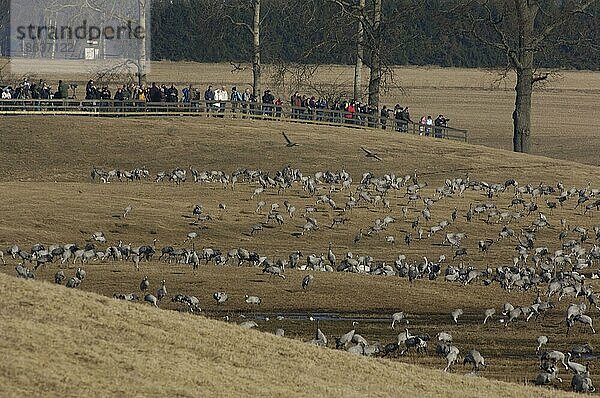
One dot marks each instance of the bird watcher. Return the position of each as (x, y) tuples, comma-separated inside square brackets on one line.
[(398, 116), (385, 114), (63, 91), (440, 123), (221, 96), (350, 110), (172, 94), (209, 97), (428, 124), (246, 98), (402, 116), (296, 104), (186, 93), (278, 107), (406, 118), (236, 98), (268, 100)]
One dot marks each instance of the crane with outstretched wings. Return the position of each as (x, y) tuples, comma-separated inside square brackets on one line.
[(371, 154), (290, 143)]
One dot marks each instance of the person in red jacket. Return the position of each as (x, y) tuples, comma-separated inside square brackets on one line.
[(296, 103), (350, 111)]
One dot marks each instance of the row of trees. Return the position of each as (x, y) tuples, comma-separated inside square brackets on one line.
[(415, 32)]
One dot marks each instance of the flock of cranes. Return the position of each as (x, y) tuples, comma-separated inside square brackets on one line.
[(514, 250)]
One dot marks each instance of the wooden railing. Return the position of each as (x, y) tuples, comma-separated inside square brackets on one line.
[(225, 109)]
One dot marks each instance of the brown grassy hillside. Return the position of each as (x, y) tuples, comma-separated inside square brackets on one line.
[(59, 342)]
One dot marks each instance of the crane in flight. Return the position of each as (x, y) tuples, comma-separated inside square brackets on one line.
[(289, 142), (371, 154)]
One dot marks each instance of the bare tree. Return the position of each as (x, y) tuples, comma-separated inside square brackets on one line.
[(127, 72), (370, 17), (376, 65), (303, 76), (256, 72), (7, 78), (254, 29), (520, 29), (325, 35), (141, 54), (360, 52), (135, 55), (4, 24)]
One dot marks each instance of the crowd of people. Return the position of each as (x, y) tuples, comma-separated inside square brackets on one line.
[(32, 90), (216, 101)]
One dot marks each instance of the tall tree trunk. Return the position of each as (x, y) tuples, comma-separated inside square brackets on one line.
[(522, 113), (375, 74), (523, 65), (360, 52), (141, 61), (256, 73)]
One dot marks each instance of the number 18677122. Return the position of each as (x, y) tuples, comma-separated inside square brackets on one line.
[(49, 48)]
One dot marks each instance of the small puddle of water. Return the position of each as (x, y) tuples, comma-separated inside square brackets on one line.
[(320, 316)]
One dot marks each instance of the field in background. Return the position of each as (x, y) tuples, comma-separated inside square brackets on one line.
[(566, 117), (46, 196)]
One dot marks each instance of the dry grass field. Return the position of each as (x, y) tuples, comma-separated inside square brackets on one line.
[(46, 196), (566, 117), (61, 343)]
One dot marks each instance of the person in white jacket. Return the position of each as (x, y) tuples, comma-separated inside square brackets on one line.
[(429, 124), (221, 94)]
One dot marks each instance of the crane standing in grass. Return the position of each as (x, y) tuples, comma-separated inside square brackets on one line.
[(162, 290), (307, 281), (144, 284)]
